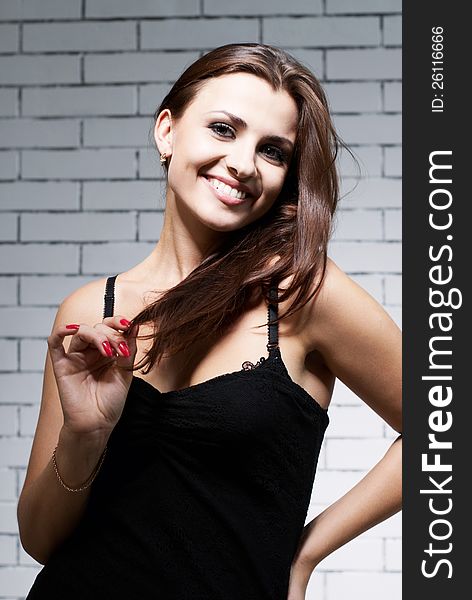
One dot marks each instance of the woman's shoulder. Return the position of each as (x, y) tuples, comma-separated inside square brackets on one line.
[(86, 302), (342, 309)]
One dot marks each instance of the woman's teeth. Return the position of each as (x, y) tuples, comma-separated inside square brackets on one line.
[(226, 189)]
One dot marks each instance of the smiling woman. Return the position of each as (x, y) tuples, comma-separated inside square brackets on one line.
[(193, 481)]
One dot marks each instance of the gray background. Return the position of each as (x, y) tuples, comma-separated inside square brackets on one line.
[(80, 199)]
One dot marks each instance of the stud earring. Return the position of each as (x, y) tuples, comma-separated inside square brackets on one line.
[(163, 158)]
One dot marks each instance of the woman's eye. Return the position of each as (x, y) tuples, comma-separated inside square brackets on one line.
[(221, 129), (276, 154)]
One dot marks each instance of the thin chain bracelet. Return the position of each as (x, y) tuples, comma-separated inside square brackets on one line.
[(88, 482)]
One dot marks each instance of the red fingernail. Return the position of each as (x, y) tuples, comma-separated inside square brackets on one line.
[(125, 322), (124, 348), (108, 348), (72, 326)]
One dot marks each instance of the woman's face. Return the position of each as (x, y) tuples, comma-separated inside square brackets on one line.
[(230, 150)]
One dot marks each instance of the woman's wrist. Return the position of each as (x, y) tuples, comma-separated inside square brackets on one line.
[(77, 456)]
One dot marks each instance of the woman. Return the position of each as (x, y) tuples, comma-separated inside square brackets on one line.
[(194, 481)]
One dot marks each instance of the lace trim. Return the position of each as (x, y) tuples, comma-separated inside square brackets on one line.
[(248, 365)]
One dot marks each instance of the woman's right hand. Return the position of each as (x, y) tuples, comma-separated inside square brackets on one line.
[(91, 383)]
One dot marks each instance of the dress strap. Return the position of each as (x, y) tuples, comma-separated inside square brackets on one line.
[(109, 298), (272, 313)]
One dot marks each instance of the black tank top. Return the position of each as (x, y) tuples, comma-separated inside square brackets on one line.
[(203, 493)]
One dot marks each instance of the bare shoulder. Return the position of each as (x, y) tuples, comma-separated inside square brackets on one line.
[(341, 306), (359, 342)]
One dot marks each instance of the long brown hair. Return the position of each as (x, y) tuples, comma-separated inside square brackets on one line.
[(296, 228)]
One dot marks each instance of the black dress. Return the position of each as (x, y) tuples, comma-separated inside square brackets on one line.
[(203, 493)]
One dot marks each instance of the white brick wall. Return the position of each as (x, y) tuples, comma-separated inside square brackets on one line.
[(79, 199)]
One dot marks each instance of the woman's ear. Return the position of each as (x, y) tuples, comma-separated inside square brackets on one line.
[(163, 132)]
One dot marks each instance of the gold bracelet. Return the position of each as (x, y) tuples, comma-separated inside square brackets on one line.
[(88, 482)]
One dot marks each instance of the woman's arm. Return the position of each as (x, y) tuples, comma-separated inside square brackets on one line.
[(361, 345)]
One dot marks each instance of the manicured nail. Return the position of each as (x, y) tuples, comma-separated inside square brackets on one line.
[(108, 348), (125, 322), (72, 326), (123, 346)]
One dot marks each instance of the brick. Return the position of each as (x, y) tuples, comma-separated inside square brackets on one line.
[(354, 422), (313, 59), (315, 585), (358, 554), (393, 225), (8, 165), (25, 322), (150, 226), (8, 419), (376, 63), (354, 97), (363, 6), (352, 454), (78, 164), (371, 193), (331, 485), (324, 32), (368, 586), (369, 129), (392, 96), (49, 290), (17, 581), (372, 284), (8, 290), (358, 225), (393, 555), (33, 195), (29, 419), (8, 228), (22, 388), (9, 36), (151, 96), (32, 355), (8, 549), (46, 9), (80, 100), (393, 161), (393, 289), (141, 8), (392, 27), (39, 258), (131, 66), (8, 102), (77, 227), (199, 33), (368, 157), (29, 69), (7, 484), (14, 451), (114, 258), (249, 7), (123, 195), (33, 133), (367, 257), (149, 166), (82, 35), (128, 131), (9, 354)]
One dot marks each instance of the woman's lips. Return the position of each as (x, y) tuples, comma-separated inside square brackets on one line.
[(228, 200)]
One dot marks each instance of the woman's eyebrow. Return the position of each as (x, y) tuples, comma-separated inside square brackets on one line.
[(276, 139)]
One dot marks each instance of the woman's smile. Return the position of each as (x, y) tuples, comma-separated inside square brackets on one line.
[(231, 196)]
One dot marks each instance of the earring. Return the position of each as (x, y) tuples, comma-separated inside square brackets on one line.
[(163, 158)]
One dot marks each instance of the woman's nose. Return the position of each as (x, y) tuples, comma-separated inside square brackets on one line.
[(241, 163)]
